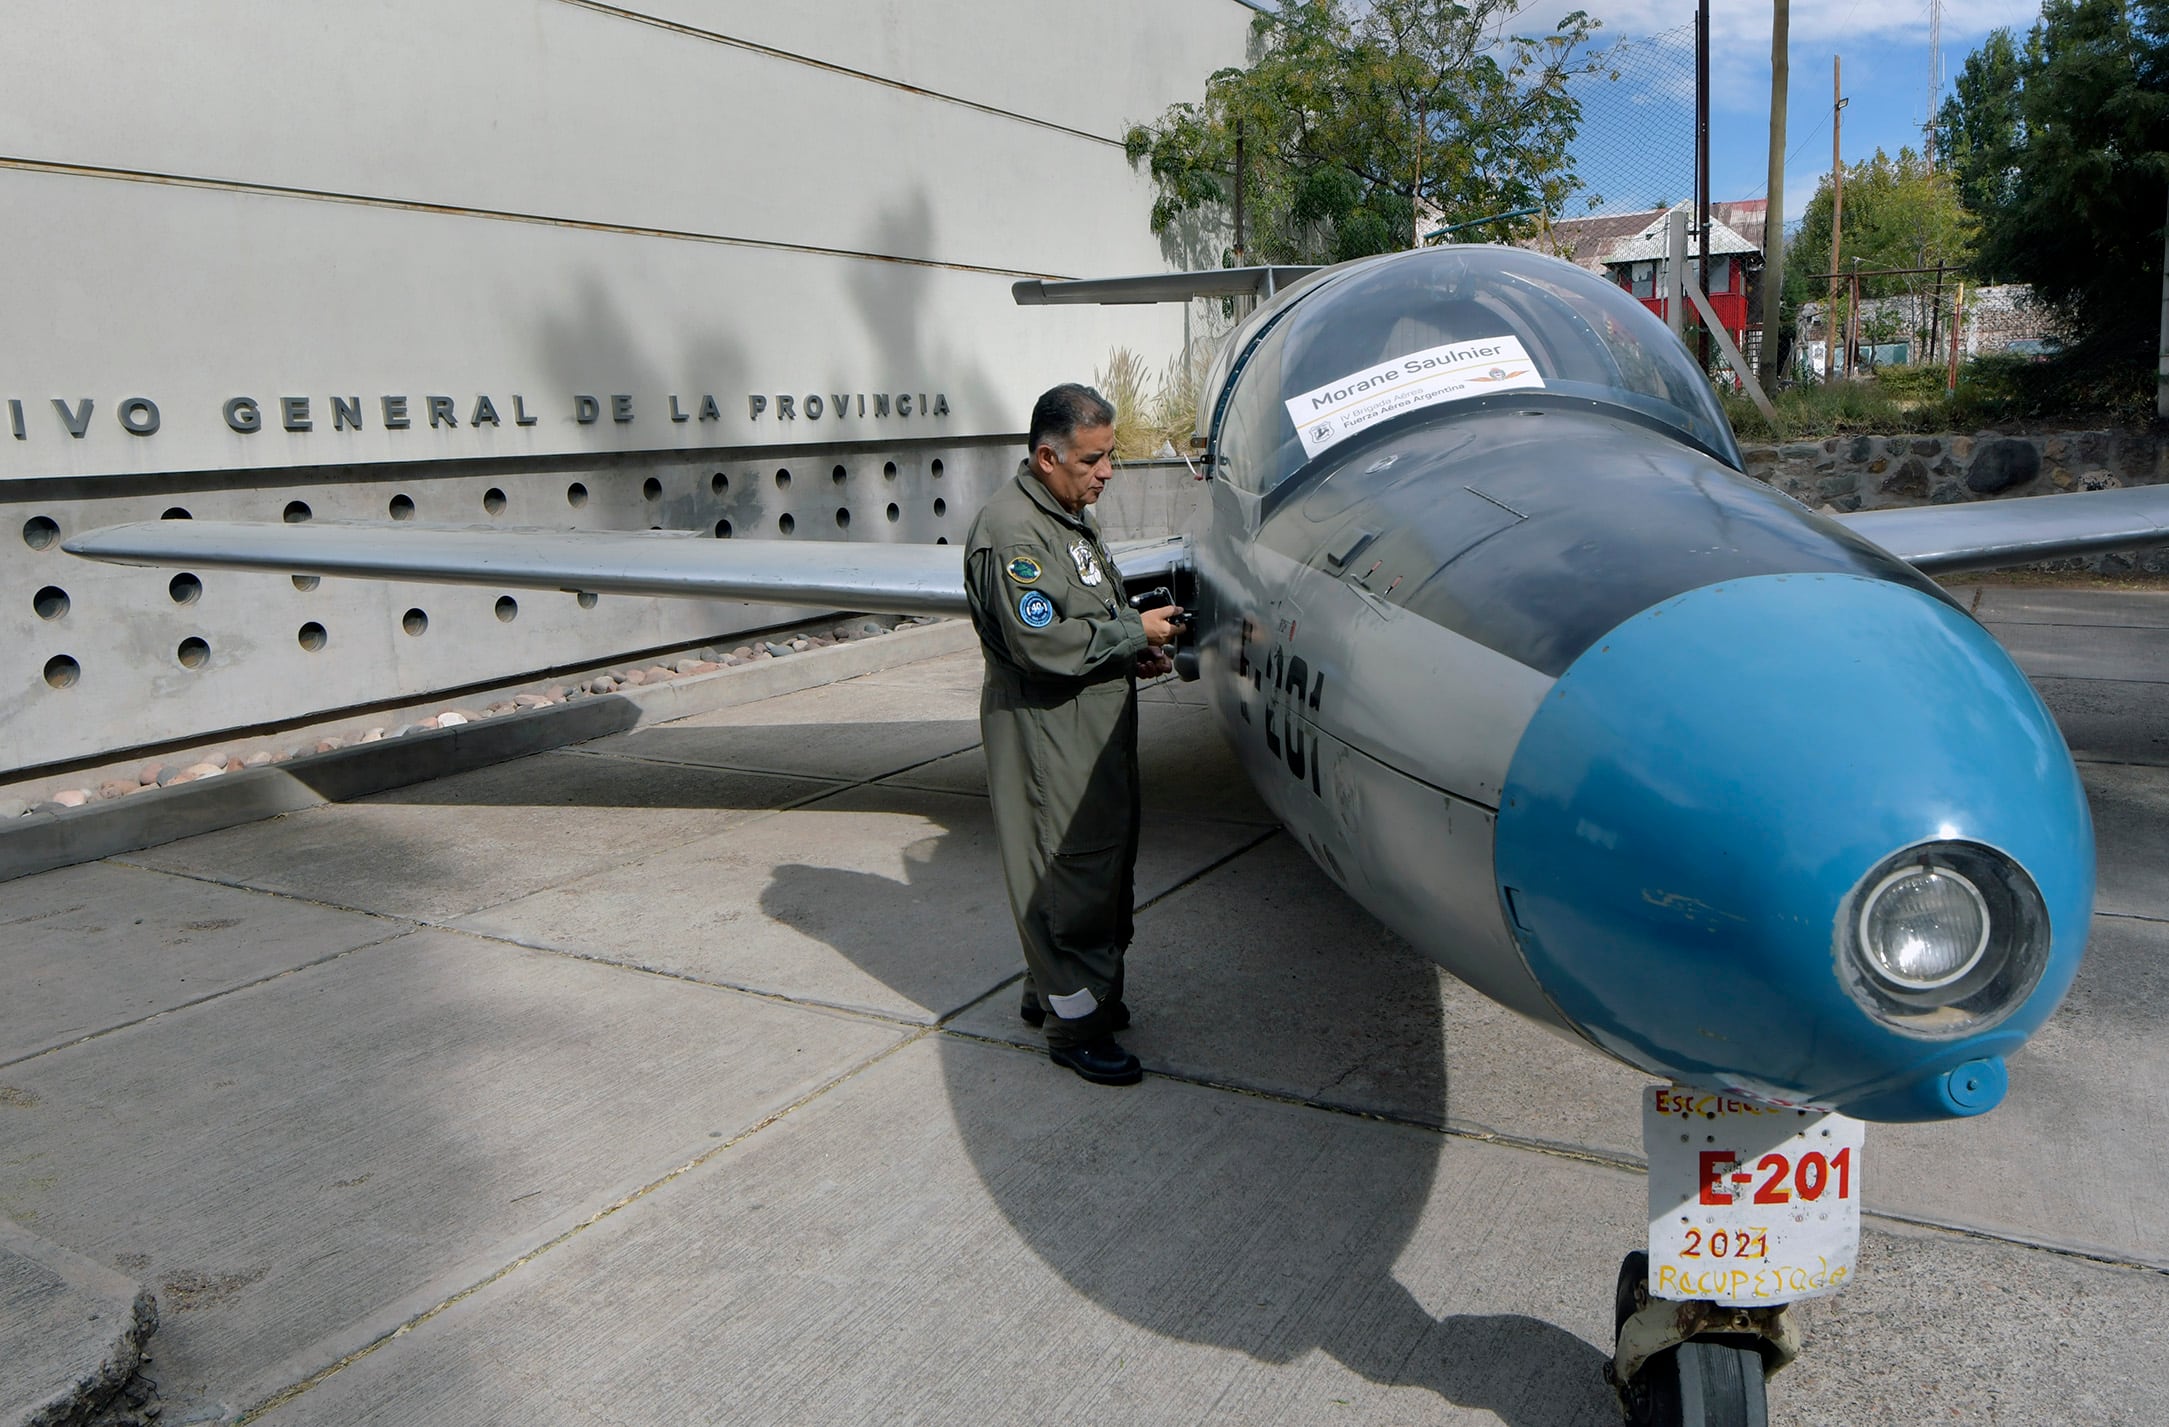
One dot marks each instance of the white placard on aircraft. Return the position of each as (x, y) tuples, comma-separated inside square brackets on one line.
[(1749, 1204), (1453, 372)]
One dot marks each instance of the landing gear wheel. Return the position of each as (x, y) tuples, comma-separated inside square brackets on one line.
[(1707, 1382)]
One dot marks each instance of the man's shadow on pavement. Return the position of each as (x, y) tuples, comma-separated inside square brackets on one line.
[(1271, 1229)]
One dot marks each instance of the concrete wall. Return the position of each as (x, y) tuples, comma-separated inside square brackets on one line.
[(639, 249)]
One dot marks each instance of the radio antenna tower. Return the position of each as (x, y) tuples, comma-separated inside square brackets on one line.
[(1935, 76)]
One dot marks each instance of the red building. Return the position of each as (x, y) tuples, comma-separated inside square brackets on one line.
[(1630, 249)]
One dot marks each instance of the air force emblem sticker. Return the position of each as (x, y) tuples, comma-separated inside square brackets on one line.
[(1035, 609), (1024, 570), (1088, 566)]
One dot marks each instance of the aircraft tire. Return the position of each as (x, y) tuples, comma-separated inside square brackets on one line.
[(1705, 1384), (1710, 1382)]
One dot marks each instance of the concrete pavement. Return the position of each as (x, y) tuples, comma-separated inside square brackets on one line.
[(675, 1077)]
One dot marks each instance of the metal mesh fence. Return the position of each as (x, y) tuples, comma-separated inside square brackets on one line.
[(1918, 318), (1636, 149)]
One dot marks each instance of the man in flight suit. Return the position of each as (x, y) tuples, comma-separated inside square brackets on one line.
[(1058, 714)]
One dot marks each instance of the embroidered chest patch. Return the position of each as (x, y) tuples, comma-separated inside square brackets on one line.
[(1024, 570), (1035, 609), (1088, 565)]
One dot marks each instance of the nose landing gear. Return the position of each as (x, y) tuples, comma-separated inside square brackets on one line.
[(1692, 1364)]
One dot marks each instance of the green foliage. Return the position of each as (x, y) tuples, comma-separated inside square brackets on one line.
[(1899, 213), (1979, 129), (2063, 148), (1343, 106), (1992, 391)]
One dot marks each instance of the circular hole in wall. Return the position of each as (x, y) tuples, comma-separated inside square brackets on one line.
[(586, 599), (296, 512), (184, 588), (176, 512), (719, 483), (843, 518), (785, 524), (783, 480), (402, 507), (652, 488), (414, 621), (508, 609), (312, 636), (941, 540), (576, 494), (50, 602), (722, 530), (941, 508), (194, 652), (493, 501), (306, 583), (61, 671), (896, 512), (839, 475), (888, 470), (937, 469), (40, 531)]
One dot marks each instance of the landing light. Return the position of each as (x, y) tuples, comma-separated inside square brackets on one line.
[(1943, 939), (1924, 927)]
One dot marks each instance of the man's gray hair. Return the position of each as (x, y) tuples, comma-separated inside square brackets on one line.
[(1064, 411)]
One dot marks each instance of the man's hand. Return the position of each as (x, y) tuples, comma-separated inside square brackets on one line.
[(1154, 662), (1162, 625)]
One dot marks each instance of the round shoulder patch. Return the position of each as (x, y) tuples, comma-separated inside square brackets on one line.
[(1024, 570), (1035, 609)]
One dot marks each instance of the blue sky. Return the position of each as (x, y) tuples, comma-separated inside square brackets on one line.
[(1883, 45)]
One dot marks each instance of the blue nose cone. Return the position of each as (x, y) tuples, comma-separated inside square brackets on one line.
[(1704, 789)]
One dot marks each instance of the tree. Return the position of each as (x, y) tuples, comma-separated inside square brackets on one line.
[(2080, 213), (1356, 119), (1899, 213), (1979, 129)]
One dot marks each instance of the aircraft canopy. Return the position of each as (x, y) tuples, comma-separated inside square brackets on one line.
[(1455, 328)]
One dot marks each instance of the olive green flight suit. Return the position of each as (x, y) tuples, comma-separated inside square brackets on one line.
[(1058, 714)]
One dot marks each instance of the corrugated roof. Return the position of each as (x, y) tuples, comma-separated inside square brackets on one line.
[(1651, 243), (1592, 242)]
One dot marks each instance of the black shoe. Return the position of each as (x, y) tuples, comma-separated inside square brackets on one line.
[(1035, 1015), (1103, 1062)]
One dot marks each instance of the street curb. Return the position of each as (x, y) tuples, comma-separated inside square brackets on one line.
[(41, 842), (61, 1378)]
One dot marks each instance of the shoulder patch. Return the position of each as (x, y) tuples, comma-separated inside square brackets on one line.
[(1024, 570), (1035, 609)]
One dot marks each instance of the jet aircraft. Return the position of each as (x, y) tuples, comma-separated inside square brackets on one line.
[(1504, 634)]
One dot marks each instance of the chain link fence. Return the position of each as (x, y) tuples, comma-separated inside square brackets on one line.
[(1916, 317)]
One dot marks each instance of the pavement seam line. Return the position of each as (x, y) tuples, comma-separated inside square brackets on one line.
[(288, 1394), (165, 1011), (1147, 905), (1583, 1154), (688, 979)]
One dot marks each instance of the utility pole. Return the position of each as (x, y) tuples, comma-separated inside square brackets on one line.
[(1415, 199), (1239, 175), (1837, 222), (1773, 216), (1702, 159), (2161, 389)]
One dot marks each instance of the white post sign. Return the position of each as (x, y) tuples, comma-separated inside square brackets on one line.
[(1749, 1204)]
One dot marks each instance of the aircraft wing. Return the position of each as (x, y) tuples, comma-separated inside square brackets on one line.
[(1945, 539), (1159, 287), (826, 574)]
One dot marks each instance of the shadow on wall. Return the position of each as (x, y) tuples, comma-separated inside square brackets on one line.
[(1253, 1231)]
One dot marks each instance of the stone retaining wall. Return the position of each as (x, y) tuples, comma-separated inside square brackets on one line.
[(1848, 473)]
